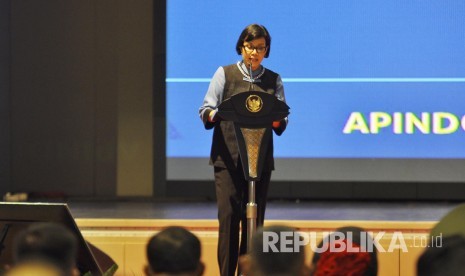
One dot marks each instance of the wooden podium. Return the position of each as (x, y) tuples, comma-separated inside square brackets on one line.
[(252, 113)]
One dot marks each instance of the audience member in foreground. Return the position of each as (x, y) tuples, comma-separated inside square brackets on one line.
[(445, 252), (174, 251), (47, 243), (359, 260), (448, 259), (266, 257)]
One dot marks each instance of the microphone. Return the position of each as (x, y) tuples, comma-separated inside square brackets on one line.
[(250, 75)]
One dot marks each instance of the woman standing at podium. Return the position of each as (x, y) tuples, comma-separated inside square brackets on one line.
[(253, 45)]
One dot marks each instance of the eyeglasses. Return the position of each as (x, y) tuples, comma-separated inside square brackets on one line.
[(249, 49)]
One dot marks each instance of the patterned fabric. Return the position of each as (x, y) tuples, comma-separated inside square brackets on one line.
[(253, 141), (343, 263)]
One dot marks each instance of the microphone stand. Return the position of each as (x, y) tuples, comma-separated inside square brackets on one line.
[(251, 207)]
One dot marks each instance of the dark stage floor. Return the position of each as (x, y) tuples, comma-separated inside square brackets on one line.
[(276, 210)]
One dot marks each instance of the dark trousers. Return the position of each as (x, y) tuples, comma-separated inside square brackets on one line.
[(232, 196)]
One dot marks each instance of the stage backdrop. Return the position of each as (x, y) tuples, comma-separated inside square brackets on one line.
[(376, 88)]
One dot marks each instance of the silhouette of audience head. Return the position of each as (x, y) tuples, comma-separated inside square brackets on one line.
[(345, 252), (174, 251), (445, 253), (444, 259), (47, 243), (452, 223), (274, 251)]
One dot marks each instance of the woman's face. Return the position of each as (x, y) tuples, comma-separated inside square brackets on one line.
[(254, 51)]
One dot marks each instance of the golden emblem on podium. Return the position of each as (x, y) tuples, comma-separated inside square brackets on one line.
[(254, 103)]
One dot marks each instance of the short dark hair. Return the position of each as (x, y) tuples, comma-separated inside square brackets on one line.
[(276, 263), (251, 32), (174, 250), (363, 262), (445, 260), (47, 241)]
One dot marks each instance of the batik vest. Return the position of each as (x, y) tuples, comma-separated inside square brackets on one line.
[(225, 152)]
